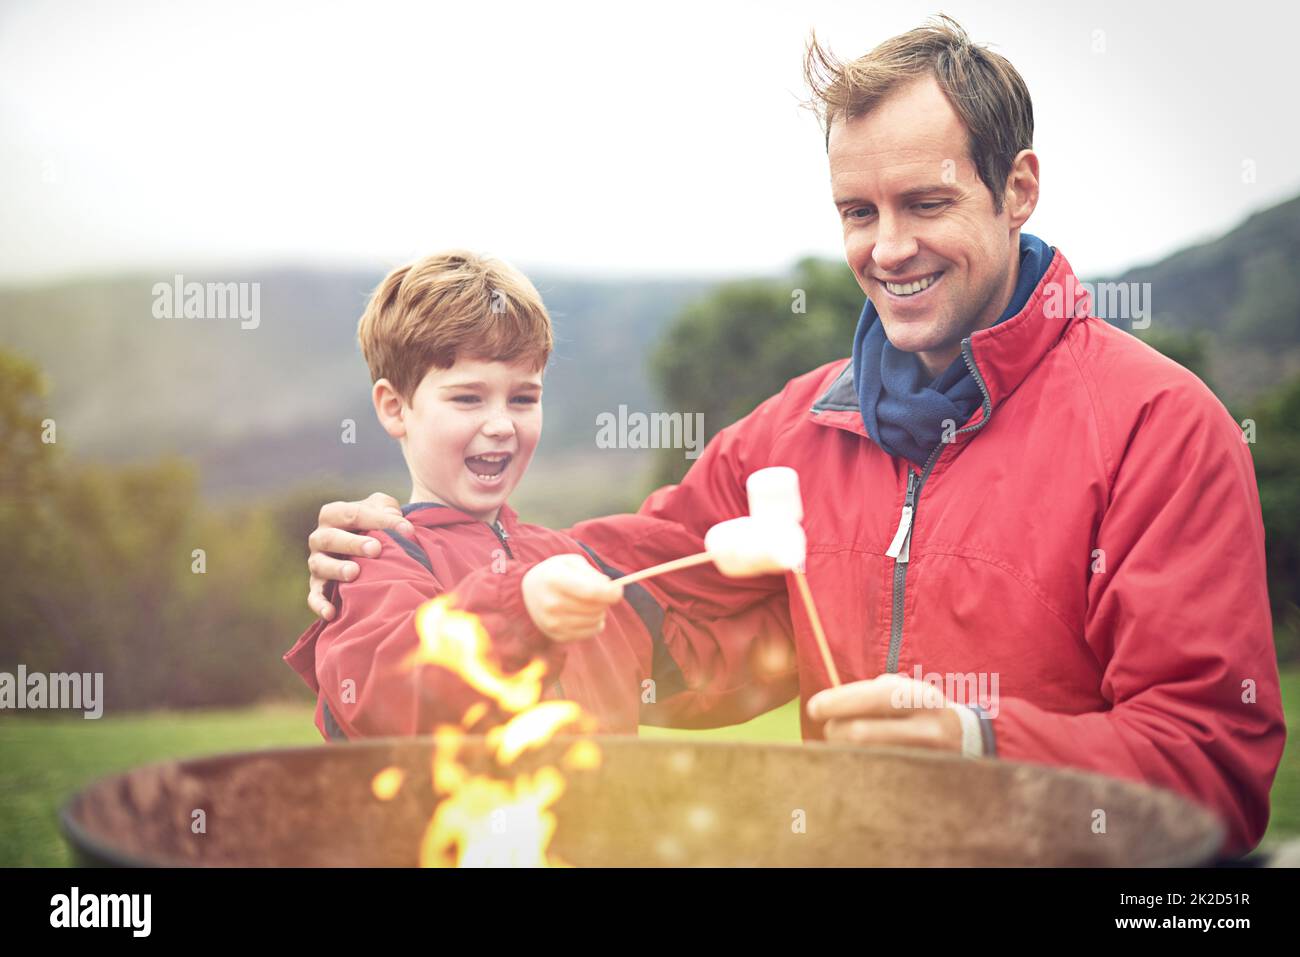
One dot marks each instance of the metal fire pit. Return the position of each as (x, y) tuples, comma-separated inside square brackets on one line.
[(652, 802)]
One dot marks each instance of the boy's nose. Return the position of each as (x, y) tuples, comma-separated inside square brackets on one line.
[(499, 425)]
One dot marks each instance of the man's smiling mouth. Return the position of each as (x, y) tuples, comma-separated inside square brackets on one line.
[(905, 289)]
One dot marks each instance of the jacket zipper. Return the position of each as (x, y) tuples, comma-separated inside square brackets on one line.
[(900, 548), (504, 538)]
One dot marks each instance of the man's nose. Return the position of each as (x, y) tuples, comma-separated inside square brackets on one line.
[(895, 244)]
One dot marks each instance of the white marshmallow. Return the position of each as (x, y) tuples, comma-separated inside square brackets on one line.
[(745, 547), (774, 495)]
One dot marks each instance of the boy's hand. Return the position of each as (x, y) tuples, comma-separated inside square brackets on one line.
[(567, 598), (331, 539)]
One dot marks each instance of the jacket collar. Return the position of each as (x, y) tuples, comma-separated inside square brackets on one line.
[(437, 515), (1004, 354)]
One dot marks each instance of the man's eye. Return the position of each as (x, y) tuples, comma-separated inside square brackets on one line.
[(932, 205), (862, 212)]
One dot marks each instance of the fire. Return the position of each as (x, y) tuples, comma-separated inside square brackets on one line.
[(457, 641), (492, 823), (486, 821), (532, 728), (387, 783)]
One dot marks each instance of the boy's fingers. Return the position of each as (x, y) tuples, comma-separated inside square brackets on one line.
[(589, 585)]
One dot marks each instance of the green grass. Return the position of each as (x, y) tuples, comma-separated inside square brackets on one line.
[(47, 758)]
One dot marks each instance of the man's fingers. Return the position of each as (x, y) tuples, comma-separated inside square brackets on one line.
[(335, 541), (327, 569), (921, 731), (883, 696), (371, 514), (319, 606)]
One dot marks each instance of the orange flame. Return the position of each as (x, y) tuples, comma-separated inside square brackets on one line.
[(387, 783), (457, 641), (532, 728), (483, 821)]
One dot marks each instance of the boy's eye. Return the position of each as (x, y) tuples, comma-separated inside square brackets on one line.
[(466, 399), (527, 399)]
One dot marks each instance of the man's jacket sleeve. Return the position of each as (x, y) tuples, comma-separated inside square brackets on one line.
[(361, 667), (1178, 617), (731, 639)]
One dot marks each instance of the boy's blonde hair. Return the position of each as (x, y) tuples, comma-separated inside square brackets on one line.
[(447, 306)]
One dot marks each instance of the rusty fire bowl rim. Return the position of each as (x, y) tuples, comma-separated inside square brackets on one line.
[(1201, 854)]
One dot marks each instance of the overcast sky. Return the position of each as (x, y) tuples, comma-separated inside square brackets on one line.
[(613, 138)]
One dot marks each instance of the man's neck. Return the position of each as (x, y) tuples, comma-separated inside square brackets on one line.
[(938, 361)]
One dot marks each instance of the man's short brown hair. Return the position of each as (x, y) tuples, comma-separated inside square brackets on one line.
[(448, 306), (984, 89)]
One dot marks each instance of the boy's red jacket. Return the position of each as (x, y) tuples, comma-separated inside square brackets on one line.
[(1092, 538), (644, 667)]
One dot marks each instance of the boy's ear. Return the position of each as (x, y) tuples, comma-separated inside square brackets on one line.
[(389, 407)]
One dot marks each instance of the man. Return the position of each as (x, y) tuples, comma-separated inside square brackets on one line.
[(1003, 494)]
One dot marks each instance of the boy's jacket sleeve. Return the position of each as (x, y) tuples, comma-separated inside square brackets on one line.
[(359, 662)]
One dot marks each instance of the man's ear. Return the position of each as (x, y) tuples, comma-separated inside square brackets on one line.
[(389, 407), (1021, 196)]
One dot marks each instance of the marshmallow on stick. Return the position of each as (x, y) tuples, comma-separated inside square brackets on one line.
[(745, 547), (774, 499), (741, 548), (768, 541)]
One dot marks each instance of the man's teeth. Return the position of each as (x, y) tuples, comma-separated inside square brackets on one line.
[(911, 288)]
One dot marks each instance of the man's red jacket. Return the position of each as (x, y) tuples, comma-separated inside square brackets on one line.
[(648, 665), (1092, 537)]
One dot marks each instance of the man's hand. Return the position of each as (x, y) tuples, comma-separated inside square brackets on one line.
[(890, 709), (567, 598), (332, 539)]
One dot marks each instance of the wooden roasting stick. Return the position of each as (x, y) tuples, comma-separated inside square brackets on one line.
[(664, 568), (804, 592)]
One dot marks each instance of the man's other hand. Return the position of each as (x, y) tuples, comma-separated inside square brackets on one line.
[(335, 536)]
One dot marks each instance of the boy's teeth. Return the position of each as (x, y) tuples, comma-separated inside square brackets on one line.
[(911, 288), (489, 465)]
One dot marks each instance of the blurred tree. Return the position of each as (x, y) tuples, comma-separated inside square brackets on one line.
[(740, 344), (1191, 350), (100, 573), (1276, 451)]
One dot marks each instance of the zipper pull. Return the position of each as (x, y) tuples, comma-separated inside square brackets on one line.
[(900, 548)]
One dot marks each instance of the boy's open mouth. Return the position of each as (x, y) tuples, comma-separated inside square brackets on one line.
[(488, 467)]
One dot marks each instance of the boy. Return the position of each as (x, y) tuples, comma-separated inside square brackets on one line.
[(456, 345)]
